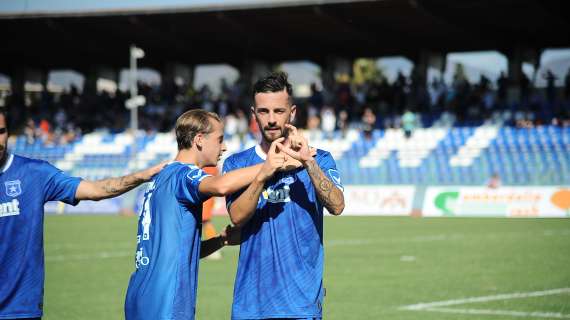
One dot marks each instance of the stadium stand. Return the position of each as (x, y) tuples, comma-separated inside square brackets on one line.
[(441, 154), (463, 134)]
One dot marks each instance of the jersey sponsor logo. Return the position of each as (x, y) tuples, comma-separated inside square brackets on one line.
[(279, 193), (13, 188), (10, 208)]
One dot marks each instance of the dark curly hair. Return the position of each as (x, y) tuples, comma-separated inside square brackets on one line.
[(275, 82)]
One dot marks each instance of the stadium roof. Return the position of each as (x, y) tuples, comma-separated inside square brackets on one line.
[(62, 8), (210, 31)]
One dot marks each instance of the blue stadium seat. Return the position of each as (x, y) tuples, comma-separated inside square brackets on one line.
[(521, 156)]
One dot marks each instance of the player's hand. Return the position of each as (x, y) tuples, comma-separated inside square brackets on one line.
[(298, 148), (147, 174), (231, 235), (294, 139), (292, 163), (275, 160)]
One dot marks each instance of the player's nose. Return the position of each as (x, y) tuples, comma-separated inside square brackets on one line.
[(272, 119)]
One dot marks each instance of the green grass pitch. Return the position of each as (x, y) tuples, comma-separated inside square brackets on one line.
[(374, 266)]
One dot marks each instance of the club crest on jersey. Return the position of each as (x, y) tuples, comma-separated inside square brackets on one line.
[(13, 188), (288, 180)]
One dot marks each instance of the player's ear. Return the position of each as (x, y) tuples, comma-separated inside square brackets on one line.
[(253, 116), (199, 140), (293, 113)]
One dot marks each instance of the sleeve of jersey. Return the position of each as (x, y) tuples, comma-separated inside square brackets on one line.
[(328, 165), (230, 165), (190, 185), (59, 186)]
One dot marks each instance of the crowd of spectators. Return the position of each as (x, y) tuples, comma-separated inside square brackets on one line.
[(404, 103)]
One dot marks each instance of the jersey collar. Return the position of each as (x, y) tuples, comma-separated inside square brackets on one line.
[(260, 152)]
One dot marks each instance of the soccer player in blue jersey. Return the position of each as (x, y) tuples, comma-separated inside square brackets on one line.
[(280, 266), (169, 245), (25, 186)]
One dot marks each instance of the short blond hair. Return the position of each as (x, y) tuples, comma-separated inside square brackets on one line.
[(192, 122)]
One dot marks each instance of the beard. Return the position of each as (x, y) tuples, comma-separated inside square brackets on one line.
[(270, 136)]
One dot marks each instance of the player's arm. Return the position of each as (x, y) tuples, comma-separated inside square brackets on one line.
[(231, 236), (112, 187), (229, 182), (244, 206), (233, 181), (330, 196)]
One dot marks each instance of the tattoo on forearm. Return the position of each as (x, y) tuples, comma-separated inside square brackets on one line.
[(109, 188), (331, 197), (114, 186), (325, 185)]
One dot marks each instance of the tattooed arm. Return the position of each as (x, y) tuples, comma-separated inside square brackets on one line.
[(243, 208), (331, 196), (112, 187)]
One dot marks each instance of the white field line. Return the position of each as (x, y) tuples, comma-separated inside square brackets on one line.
[(99, 255), (549, 315), (436, 237), (358, 242), (104, 255), (508, 296), (328, 243)]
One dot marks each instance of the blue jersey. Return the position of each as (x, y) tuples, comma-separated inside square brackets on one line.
[(280, 267), (25, 186), (164, 283)]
